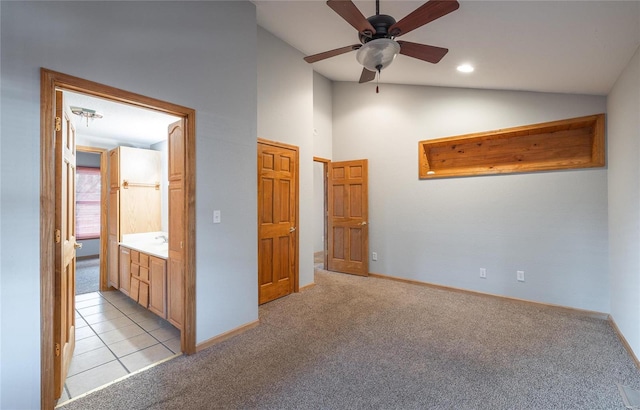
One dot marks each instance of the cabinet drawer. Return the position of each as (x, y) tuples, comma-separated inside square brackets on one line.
[(144, 260), (135, 270), (144, 274), (135, 256)]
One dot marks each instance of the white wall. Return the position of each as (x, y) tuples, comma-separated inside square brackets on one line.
[(552, 225), (322, 116), (285, 114), (174, 51), (322, 147), (623, 105)]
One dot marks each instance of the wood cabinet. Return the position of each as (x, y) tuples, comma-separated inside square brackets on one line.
[(134, 200), (158, 286), (125, 270), (139, 278), (147, 276), (175, 313)]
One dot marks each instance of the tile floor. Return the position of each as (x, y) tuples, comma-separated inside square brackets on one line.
[(114, 337)]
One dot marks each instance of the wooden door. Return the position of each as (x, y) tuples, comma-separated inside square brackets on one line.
[(277, 220), (348, 215), (175, 262), (65, 240)]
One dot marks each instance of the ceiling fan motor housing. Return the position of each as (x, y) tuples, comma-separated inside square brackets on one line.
[(381, 22)]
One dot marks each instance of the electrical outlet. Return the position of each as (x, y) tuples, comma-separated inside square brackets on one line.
[(483, 273), (520, 275), (216, 216), (374, 256)]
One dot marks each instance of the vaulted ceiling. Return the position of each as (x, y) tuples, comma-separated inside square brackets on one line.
[(548, 46)]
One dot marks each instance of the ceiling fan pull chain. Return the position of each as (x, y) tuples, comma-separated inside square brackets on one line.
[(378, 80)]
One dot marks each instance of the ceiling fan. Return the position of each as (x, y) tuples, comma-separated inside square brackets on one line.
[(377, 35)]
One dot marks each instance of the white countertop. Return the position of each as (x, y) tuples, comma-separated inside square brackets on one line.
[(148, 243)]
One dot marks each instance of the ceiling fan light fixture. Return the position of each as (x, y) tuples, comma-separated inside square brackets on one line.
[(86, 113), (377, 53)]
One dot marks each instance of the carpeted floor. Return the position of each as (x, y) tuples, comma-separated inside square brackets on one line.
[(87, 275), (359, 343)]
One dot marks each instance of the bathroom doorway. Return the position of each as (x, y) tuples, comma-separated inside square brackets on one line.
[(50, 295)]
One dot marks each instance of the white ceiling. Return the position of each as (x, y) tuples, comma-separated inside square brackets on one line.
[(548, 46), (122, 124)]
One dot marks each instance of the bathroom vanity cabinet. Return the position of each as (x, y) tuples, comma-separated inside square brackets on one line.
[(147, 275)]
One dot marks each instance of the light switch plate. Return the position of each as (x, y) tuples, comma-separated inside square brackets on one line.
[(216, 216)]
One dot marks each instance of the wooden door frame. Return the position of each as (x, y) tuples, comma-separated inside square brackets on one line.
[(104, 192), (325, 177), (296, 273), (49, 82)]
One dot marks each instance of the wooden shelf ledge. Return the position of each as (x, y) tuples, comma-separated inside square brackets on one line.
[(566, 144)]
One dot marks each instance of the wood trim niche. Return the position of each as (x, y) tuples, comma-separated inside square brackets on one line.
[(566, 144), (49, 82)]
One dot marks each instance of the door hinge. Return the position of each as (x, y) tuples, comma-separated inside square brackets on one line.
[(58, 124), (57, 349), (57, 235)]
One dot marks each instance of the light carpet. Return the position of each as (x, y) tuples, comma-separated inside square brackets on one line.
[(361, 343)]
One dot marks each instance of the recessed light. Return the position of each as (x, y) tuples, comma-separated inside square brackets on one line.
[(465, 68)]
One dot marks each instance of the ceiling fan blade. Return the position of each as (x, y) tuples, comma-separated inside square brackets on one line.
[(429, 11), (431, 54), (367, 76), (350, 13), (331, 53)]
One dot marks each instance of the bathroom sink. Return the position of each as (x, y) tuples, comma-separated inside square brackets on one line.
[(158, 247), (153, 243)]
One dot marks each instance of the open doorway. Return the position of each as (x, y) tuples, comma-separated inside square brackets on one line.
[(320, 213), (116, 335), (57, 286), (346, 220), (91, 196)]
